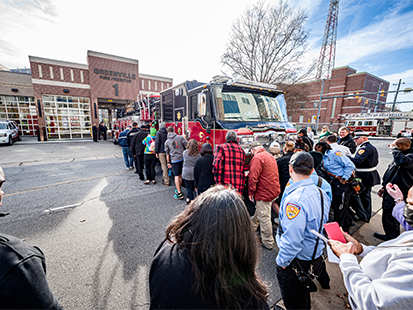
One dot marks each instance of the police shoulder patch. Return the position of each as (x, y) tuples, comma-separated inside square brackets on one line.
[(338, 153), (292, 210), (361, 151)]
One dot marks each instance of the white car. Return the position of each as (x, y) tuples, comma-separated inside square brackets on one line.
[(9, 132)]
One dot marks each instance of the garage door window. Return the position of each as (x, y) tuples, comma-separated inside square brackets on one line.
[(22, 110), (67, 117)]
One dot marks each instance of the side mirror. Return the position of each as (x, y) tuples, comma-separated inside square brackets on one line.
[(202, 104)]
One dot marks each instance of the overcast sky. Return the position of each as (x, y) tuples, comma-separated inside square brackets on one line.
[(184, 39)]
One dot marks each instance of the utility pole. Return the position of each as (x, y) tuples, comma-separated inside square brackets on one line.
[(319, 106), (377, 98), (397, 92)]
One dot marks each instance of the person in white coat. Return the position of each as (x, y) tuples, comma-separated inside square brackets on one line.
[(384, 278)]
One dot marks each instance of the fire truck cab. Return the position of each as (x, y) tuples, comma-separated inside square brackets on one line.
[(207, 111)]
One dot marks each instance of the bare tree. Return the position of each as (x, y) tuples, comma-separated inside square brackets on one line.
[(295, 96), (267, 44)]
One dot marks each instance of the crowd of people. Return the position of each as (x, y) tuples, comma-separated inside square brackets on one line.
[(309, 185), (210, 253)]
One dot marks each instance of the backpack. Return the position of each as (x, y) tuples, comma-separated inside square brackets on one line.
[(152, 145)]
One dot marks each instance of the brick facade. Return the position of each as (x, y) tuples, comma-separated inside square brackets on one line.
[(343, 81), (106, 79)]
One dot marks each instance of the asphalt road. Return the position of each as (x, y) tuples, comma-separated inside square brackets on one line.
[(96, 222)]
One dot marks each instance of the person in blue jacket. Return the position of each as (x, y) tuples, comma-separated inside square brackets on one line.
[(301, 210), (339, 168), (123, 142), (320, 182)]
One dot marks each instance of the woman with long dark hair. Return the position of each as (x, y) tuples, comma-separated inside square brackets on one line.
[(209, 257)]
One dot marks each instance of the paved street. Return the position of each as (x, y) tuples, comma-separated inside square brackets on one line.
[(97, 224)]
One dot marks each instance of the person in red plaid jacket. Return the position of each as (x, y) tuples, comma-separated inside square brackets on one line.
[(229, 160)]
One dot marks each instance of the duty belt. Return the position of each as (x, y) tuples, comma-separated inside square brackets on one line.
[(366, 169)]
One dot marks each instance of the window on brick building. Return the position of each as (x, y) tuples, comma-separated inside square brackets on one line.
[(301, 119), (71, 75), (302, 105), (40, 70), (156, 85), (290, 118), (81, 76), (143, 84), (149, 85), (315, 104), (51, 72), (61, 74)]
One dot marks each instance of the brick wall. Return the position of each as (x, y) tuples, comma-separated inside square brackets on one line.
[(343, 81)]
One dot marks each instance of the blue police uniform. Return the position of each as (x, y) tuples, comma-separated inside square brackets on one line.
[(339, 165), (300, 211), (366, 161), (325, 186)]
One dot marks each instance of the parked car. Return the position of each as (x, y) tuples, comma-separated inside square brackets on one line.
[(9, 132)]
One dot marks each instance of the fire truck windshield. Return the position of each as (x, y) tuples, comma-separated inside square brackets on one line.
[(248, 106)]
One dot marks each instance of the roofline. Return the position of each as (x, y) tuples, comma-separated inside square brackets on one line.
[(113, 57), (57, 62), (155, 77)]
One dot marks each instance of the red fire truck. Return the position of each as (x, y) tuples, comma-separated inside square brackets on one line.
[(383, 123), (207, 111), (142, 112)]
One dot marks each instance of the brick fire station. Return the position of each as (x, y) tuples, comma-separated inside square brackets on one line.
[(67, 98)]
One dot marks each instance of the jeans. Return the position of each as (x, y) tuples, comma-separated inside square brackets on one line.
[(190, 188), (150, 162), (127, 156)]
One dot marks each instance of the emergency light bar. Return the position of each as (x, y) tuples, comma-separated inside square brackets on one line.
[(379, 115), (242, 82)]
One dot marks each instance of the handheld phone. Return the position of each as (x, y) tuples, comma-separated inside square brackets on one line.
[(334, 232)]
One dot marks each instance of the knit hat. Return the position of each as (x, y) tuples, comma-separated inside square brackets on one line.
[(153, 131), (162, 125)]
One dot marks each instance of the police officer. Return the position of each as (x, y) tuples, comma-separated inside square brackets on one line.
[(339, 168), (300, 211), (366, 161)]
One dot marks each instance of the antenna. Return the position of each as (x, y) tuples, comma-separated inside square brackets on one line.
[(328, 49)]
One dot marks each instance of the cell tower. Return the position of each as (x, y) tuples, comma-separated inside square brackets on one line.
[(328, 49)]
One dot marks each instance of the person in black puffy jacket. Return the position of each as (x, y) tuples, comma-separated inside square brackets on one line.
[(23, 283), (161, 137)]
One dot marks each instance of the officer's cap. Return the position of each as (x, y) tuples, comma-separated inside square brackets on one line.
[(302, 160), (359, 133)]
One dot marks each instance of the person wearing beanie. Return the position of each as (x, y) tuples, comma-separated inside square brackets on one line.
[(203, 176), (149, 156), (174, 148), (229, 160), (161, 137)]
